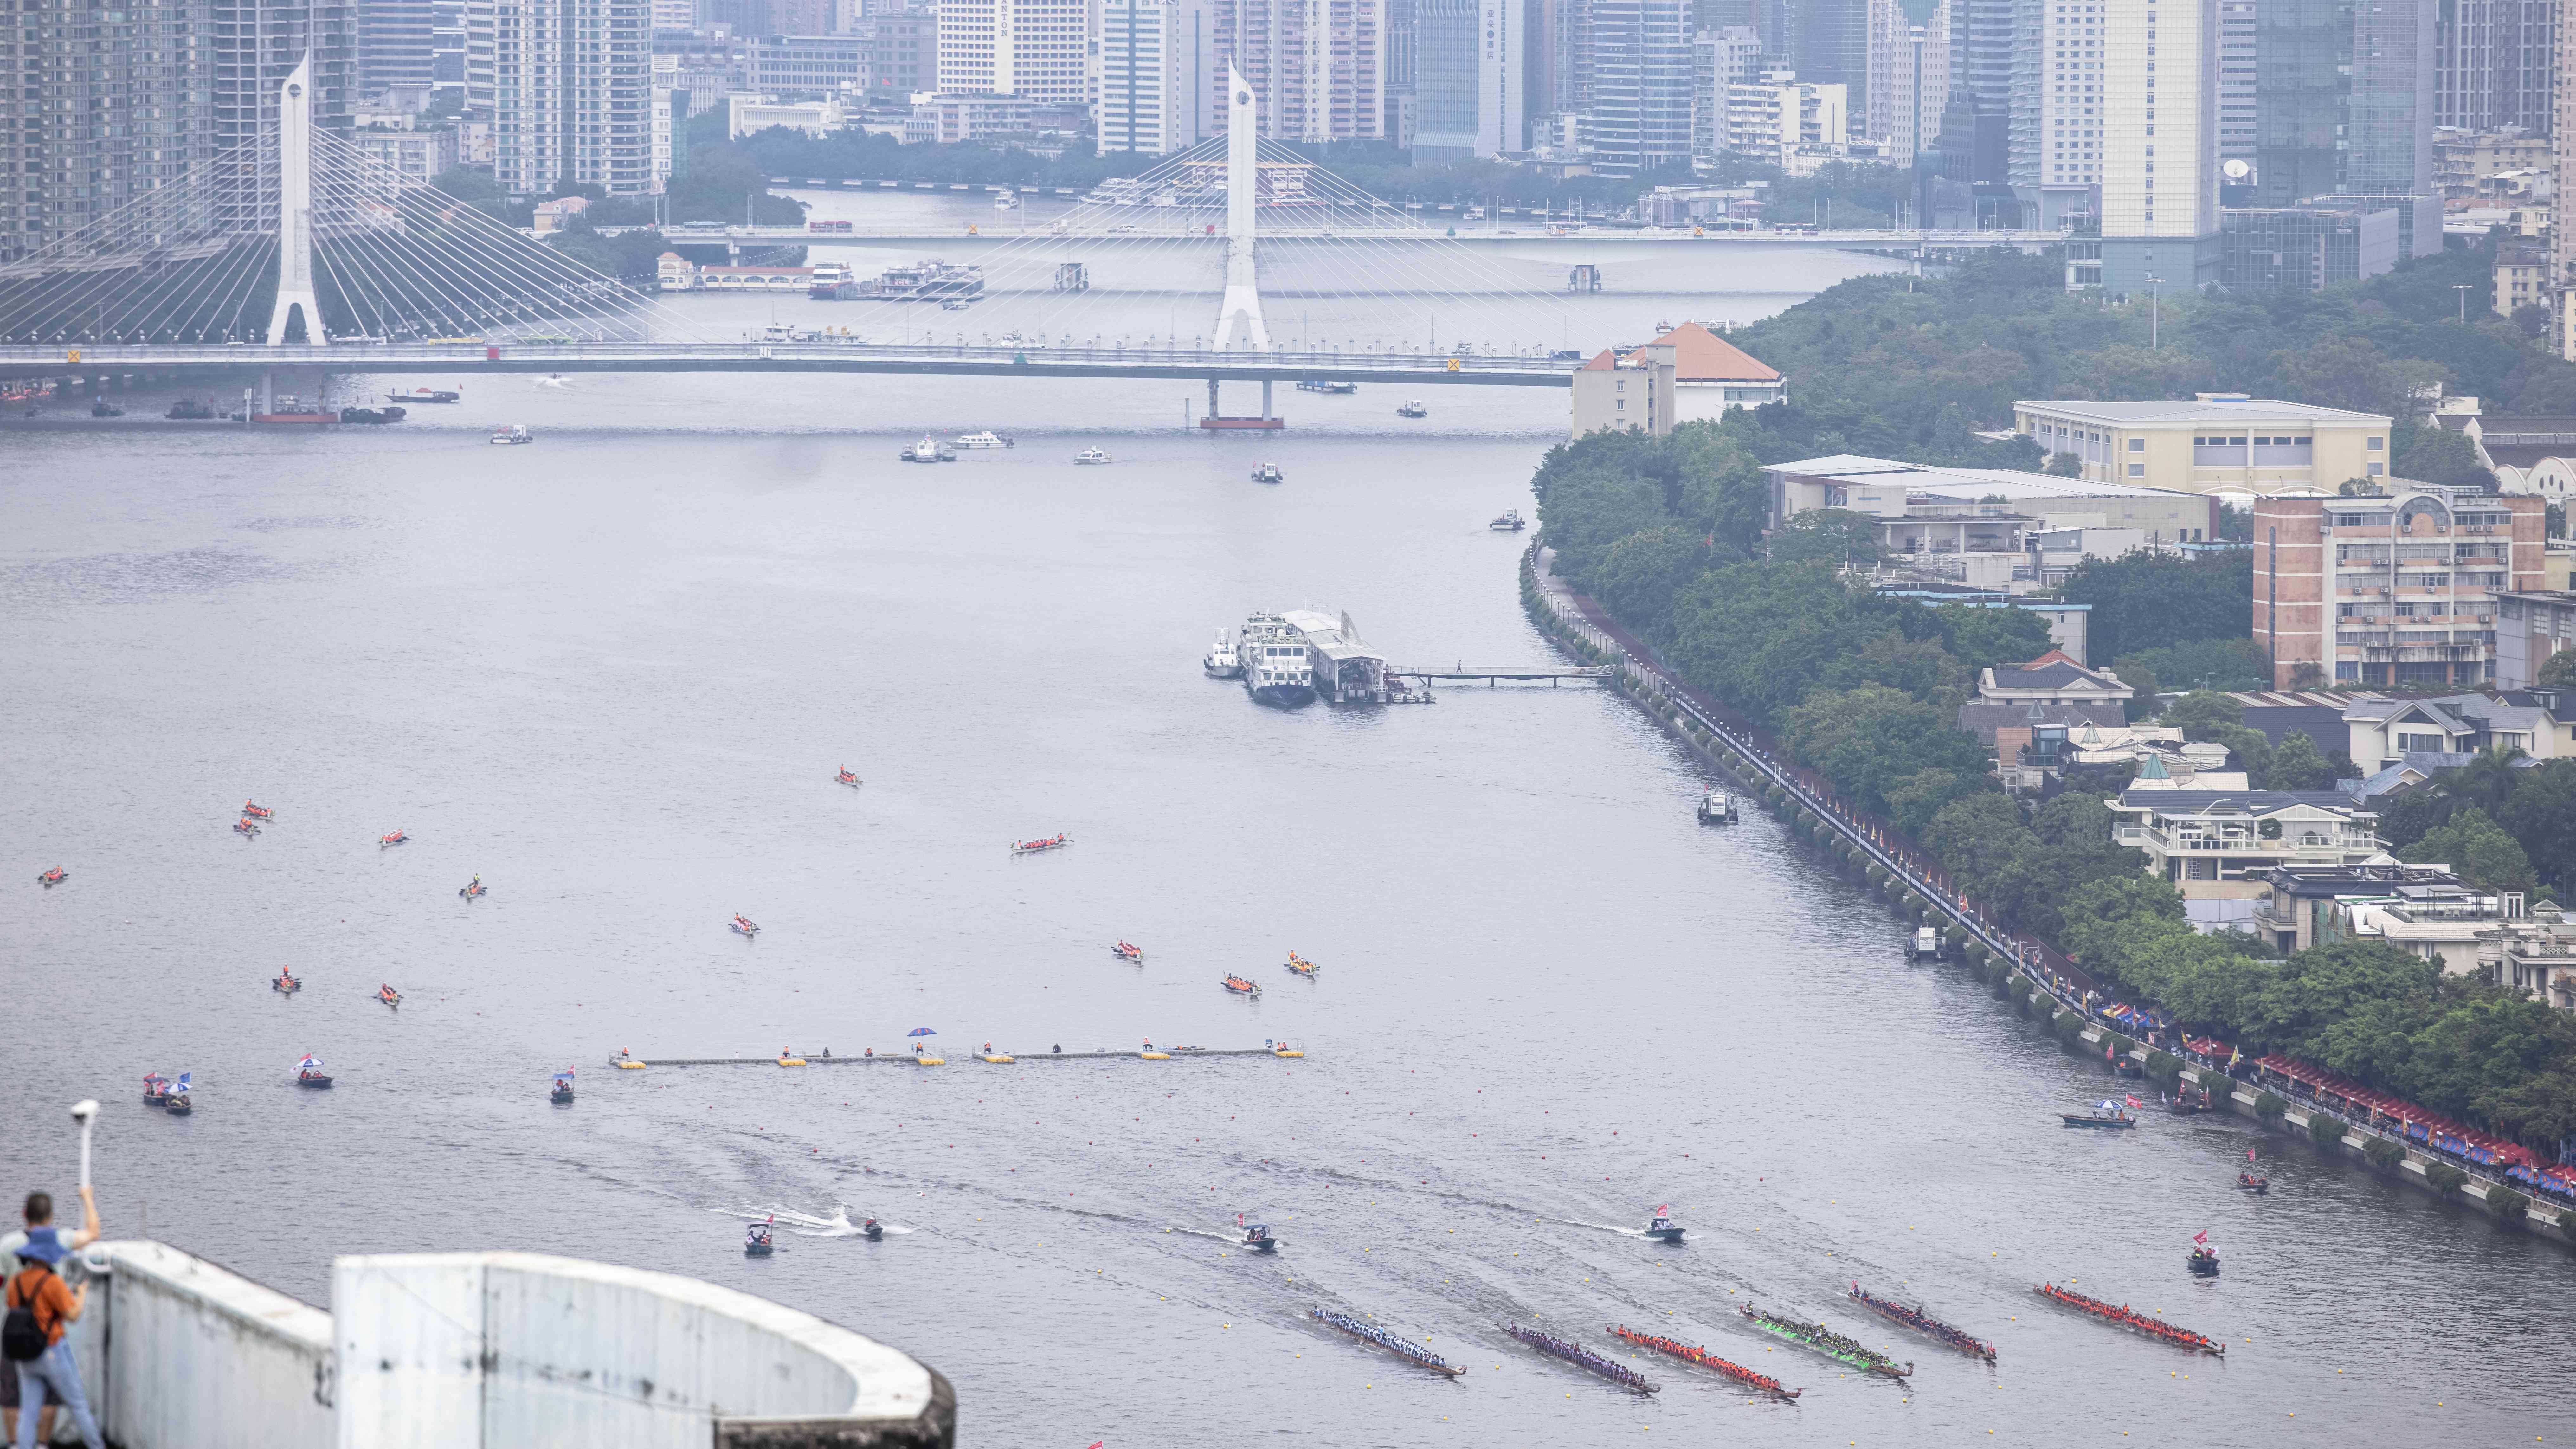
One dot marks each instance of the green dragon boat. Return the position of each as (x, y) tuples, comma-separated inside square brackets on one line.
[(1827, 1342)]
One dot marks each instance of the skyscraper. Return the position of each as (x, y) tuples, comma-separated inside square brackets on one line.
[(2493, 64), (1467, 78), (1037, 50), (1157, 63), (2389, 126), (1317, 68), (257, 46), (2239, 37), (102, 106), (1909, 79), (1720, 59), (2159, 164), (572, 103), (1827, 43), (1641, 101), (1990, 132), (395, 45), (2301, 52)]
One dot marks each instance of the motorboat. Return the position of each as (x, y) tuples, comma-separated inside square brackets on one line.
[(1927, 944), (472, 889), (1412, 408), (256, 812), (1126, 952), (1717, 808), (156, 1090), (245, 827), (1091, 457), (872, 1230), (562, 1090), (1221, 661), (1268, 473), (1662, 1229), (1257, 1239), (425, 395), (744, 925), (2203, 1262), (389, 996), (1301, 965), (105, 409), (985, 438), (1031, 847), (2106, 1116), (2250, 1183), (1510, 522), (846, 778), (512, 434), (309, 1073), (756, 1242), (928, 450), (391, 838), (52, 878), (285, 983), (1241, 987)]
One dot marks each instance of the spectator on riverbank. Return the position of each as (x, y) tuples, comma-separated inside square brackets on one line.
[(30, 1258)]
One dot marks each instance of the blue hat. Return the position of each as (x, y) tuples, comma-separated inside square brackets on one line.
[(44, 1246)]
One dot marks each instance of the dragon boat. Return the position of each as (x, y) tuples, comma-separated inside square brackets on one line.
[(1923, 1323), (1827, 1342), (1583, 1358), (1705, 1359), (2126, 1317), (1401, 1347)]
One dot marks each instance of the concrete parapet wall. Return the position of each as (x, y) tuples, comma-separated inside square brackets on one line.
[(509, 1349), (188, 1355)]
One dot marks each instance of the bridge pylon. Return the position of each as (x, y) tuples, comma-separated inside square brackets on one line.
[(295, 209), (1240, 311)]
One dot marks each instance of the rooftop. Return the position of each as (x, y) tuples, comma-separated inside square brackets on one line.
[(2359, 880), (1699, 355), (1970, 485), (2242, 410), (2246, 802)]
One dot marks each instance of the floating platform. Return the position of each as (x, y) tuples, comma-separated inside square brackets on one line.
[(907, 1059)]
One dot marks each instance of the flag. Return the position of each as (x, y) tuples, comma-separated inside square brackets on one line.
[(2134, 1102), (2249, 1154), (2201, 1237), (182, 1088)]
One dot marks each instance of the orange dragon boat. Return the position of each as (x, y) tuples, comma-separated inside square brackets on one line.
[(1705, 1359), (2129, 1318)]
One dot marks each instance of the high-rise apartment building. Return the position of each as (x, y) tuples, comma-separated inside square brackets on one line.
[(2398, 589), (2238, 40), (447, 43), (2562, 238), (103, 105), (2389, 124), (1157, 70), (395, 45), (2072, 97), (2159, 145), (1317, 68), (1720, 60), (572, 101), (1769, 118), (1036, 50), (257, 46), (1641, 85), (2494, 63), (1909, 78), (1827, 43)]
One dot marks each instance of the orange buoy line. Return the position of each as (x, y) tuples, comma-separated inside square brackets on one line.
[(2127, 1317), (1705, 1359)]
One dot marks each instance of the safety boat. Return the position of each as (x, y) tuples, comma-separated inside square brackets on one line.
[(511, 435), (1510, 522), (846, 778), (928, 450), (1412, 408), (256, 812), (244, 827), (1221, 661), (1257, 1239), (1031, 847), (1091, 457), (1241, 987), (396, 838), (388, 996), (1717, 808), (2248, 1182), (755, 1241), (1370, 1333), (1923, 1323), (986, 438), (309, 1073), (2108, 1115), (1662, 1228), (1268, 473), (1126, 952), (1301, 965), (285, 983), (562, 1091), (54, 877), (873, 1230), (156, 1090), (2203, 1262), (744, 926)]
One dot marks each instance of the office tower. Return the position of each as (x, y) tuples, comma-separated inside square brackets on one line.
[(1990, 138), (2492, 64), (1909, 78), (2389, 124), (1468, 76), (447, 45), (1828, 45), (257, 46), (1641, 100), (99, 111), (2301, 51), (903, 56), (1317, 68), (2073, 39), (2159, 147), (571, 81), (394, 46), (1157, 62), (2239, 36), (1720, 60), (1037, 50)]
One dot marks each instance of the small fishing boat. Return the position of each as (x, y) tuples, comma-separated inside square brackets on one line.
[(2248, 1182), (1662, 1228), (2109, 1115), (473, 890), (1301, 965), (396, 838), (2125, 1317), (1412, 408), (1688, 1354), (389, 996), (872, 1230), (1091, 457), (1268, 473), (1257, 1239), (1717, 808), (1370, 1333), (156, 1090), (2203, 1261), (511, 435), (756, 1242), (1583, 1358), (1126, 952), (256, 812), (1032, 847), (985, 438), (1923, 1323), (244, 827), (179, 1103), (54, 877), (309, 1073), (285, 983), (562, 1090), (846, 778), (743, 925), (1510, 522), (1824, 1340), (1222, 662), (1241, 987)]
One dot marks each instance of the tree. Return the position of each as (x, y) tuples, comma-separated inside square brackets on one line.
[(1981, 637), (2297, 765), (2064, 465), (2479, 850), (1838, 536), (2201, 711), (2150, 600), (1639, 575), (2205, 664), (2558, 671)]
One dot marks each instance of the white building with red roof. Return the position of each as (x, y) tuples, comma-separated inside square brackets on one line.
[(1688, 374)]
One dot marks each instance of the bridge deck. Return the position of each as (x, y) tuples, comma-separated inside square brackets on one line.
[(1549, 672)]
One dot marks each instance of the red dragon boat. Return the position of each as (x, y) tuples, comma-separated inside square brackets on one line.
[(1705, 1359)]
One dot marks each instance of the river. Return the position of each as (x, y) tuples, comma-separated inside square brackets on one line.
[(613, 674)]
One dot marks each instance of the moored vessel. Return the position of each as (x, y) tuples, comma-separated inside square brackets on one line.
[(1927, 944), (1510, 522), (928, 450), (1717, 808), (1705, 1359), (1371, 1333), (1268, 473), (1278, 666), (1923, 1323), (1222, 662)]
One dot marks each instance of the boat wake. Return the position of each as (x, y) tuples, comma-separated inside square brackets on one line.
[(806, 1225), (1204, 1233), (1596, 1227)]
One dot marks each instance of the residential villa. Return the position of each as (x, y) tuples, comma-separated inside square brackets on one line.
[(2027, 713), (1686, 375), (2537, 955), (2424, 910), (2385, 732), (2220, 846)]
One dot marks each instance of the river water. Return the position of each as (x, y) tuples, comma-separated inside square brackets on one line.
[(613, 674)]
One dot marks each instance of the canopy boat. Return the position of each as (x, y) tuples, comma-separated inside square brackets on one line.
[(395, 838), (2123, 1316), (755, 1241), (1032, 847), (53, 877), (178, 1103), (1663, 1229), (156, 1090), (845, 777), (1370, 1333), (1301, 965), (256, 812), (744, 926), (1583, 1358), (2250, 1183), (2109, 1114), (1257, 1239), (1717, 808), (563, 1087), (308, 1073), (1126, 952), (1827, 1342), (285, 982), (873, 1230), (388, 996), (1688, 1354), (245, 827), (1241, 987), (2203, 1261), (1510, 522), (1923, 1323), (1268, 473)]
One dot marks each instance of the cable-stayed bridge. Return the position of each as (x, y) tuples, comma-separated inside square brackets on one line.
[(348, 266)]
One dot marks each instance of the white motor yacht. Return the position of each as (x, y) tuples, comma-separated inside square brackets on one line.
[(1093, 456), (984, 439)]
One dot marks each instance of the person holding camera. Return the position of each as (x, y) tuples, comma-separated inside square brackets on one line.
[(39, 1305)]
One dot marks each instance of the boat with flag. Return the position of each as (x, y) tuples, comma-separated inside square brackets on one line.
[(1923, 1323), (178, 1103), (309, 1073), (1662, 1228), (2204, 1258), (1705, 1359), (1032, 847), (1401, 1347), (756, 1241), (2126, 1317), (156, 1090), (2109, 1115), (563, 1087), (1583, 1358), (1825, 1341), (285, 983)]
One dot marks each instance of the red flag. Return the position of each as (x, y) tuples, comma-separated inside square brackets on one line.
[(2201, 1237), (2249, 1154), (2134, 1102)]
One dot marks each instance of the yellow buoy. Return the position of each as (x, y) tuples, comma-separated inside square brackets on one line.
[(630, 1066), (791, 1061), (1155, 1056)]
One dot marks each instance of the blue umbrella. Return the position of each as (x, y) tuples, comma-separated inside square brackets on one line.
[(921, 1031)]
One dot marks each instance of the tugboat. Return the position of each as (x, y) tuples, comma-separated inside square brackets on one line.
[(156, 1090), (2108, 1115), (985, 438), (177, 1103), (1717, 808), (1268, 473), (1510, 522), (744, 925), (1301, 965), (1257, 1239), (308, 1073), (1663, 1229), (2203, 1261), (257, 812), (1125, 952), (563, 1087), (846, 778), (1221, 661), (389, 996), (396, 838), (53, 877), (1412, 408), (1091, 457), (472, 889), (1241, 987), (755, 1241), (285, 984)]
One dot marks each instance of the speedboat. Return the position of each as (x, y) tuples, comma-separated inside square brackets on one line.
[(2250, 1183), (1510, 522), (256, 812), (563, 1087), (1241, 987), (510, 434), (755, 1241), (1268, 473), (1091, 456), (928, 450), (744, 925), (388, 996), (396, 838), (1257, 1239), (982, 439), (53, 877), (1301, 965), (2203, 1262), (1125, 952), (1662, 1228), (472, 889), (1221, 661), (845, 777), (244, 827), (1717, 808), (874, 1230), (1412, 409), (285, 984)]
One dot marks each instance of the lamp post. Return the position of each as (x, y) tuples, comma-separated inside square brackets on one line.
[(2463, 289), (2155, 314)]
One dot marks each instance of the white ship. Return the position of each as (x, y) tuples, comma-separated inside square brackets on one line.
[(1278, 669), (1222, 662), (985, 439)]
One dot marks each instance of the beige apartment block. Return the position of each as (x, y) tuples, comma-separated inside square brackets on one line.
[(2398, 590), (2219, 442)]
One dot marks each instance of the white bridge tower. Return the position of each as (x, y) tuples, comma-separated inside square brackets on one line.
[(295, 209), (1241, 309)]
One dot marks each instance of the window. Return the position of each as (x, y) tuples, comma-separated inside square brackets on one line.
[(2137, 470), (2377, 444), (2374, 469), (2137, 445)]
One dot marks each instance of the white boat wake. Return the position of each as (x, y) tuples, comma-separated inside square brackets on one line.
[(1597, 1227), (806, 1225)]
